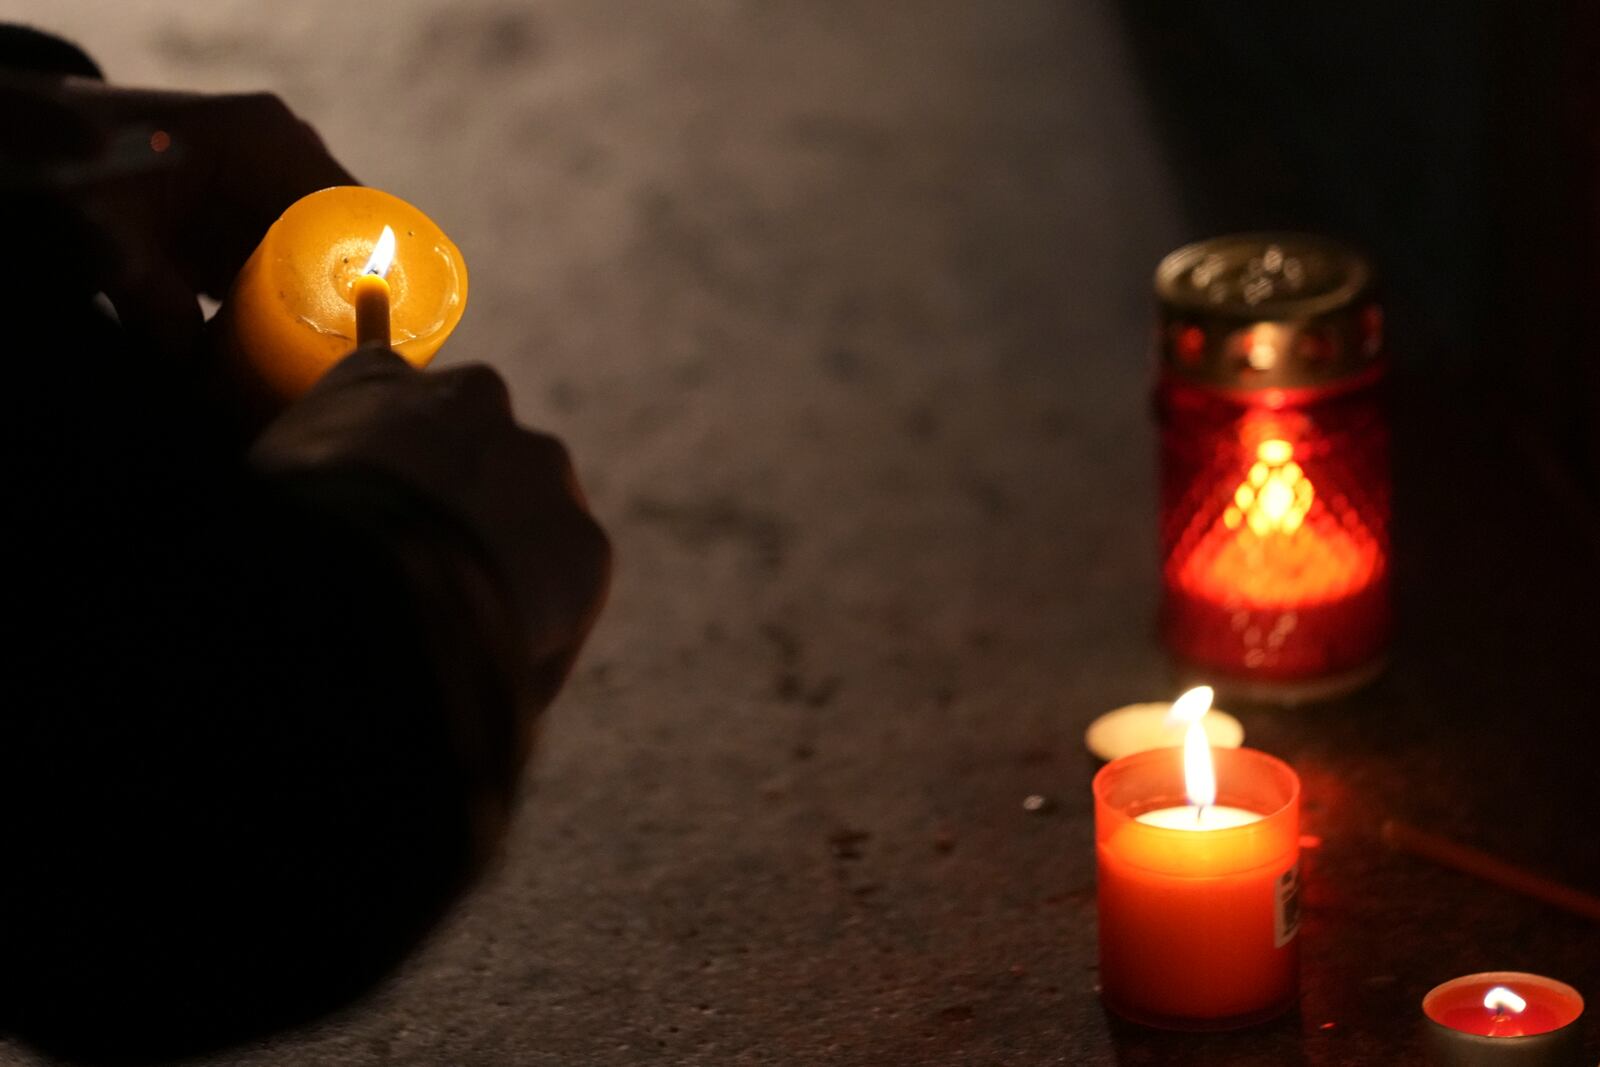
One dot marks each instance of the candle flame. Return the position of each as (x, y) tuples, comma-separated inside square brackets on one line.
[(382, 254), (1501, 1000), (1199, 773), (1192, 705), (1275, 495), (1275, 452), (1263, 354)]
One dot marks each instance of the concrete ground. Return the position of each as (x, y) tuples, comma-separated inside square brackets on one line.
[(843, 308)]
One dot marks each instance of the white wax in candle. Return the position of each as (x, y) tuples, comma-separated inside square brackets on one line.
[(1142, 726), (1214, 817)]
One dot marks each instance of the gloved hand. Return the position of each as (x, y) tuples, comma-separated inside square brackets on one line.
[(450, 437)]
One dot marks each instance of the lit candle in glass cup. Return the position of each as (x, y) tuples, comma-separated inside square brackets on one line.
[(1274, 466), (1503, 1019), (1198, 870)]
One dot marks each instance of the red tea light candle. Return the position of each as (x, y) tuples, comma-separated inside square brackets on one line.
[(310, 291), (1503, 1019), (1198, 870)]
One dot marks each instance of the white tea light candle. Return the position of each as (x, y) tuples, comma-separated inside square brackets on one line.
[(1138, 727)]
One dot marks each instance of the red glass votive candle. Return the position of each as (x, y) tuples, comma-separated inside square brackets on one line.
[(1198, 925), (1503, 1019), (1274, 466)]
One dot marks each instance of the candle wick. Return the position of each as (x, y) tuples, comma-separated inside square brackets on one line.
[(1199, 813)]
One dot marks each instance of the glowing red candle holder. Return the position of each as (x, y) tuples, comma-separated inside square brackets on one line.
[(1503, 1019), (1274, 466)]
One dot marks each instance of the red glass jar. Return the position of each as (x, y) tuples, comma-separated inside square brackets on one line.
[(1274, 466)]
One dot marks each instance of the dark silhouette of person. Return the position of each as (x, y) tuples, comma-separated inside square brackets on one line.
[(267, 694)]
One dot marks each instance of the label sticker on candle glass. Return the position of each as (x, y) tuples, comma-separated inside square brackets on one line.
[(1286, 914)]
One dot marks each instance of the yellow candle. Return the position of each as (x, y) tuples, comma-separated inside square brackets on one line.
[(293, 310)]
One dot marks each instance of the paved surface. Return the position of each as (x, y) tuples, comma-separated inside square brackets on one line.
[(843, 309)]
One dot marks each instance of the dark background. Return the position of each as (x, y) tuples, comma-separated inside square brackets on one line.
[(844, 309)]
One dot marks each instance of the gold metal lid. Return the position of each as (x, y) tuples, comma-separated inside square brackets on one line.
[(1268, 311)]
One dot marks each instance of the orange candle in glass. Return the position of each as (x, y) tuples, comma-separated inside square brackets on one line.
[(1198, 869), (292, 312)]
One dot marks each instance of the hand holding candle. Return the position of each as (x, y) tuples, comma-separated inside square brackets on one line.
[(316, 287)]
